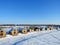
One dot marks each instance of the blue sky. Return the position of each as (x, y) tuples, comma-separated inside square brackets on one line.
[(30, 11)]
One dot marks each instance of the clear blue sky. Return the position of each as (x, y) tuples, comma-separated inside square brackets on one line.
[(29, 11)]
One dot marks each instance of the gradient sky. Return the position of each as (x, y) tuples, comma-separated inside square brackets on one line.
[(30, 11)]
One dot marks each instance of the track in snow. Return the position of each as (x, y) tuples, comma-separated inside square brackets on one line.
[(35, 37)]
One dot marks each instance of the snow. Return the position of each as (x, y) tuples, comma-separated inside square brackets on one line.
[(51, 37)]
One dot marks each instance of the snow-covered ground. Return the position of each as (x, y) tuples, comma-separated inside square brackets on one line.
[(33, 38)]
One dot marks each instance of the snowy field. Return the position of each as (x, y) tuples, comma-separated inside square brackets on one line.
[(33, 38)]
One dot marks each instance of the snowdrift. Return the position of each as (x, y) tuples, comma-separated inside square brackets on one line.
[(33, 38)]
